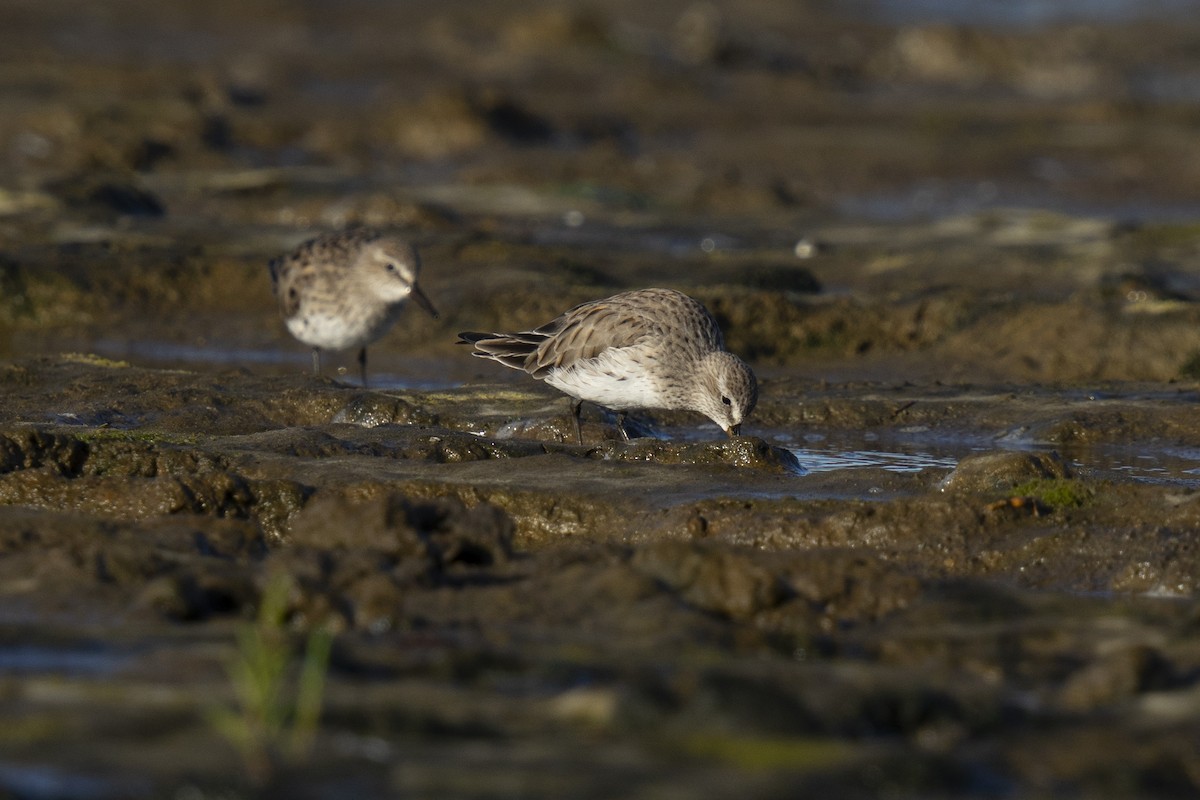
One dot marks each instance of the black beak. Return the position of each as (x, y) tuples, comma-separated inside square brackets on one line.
[(423, 301), (734, 430)]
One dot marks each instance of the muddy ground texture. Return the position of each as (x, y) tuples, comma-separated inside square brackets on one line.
[(976, 239)]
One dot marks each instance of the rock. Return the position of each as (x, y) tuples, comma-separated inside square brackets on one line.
[(1002, 470)]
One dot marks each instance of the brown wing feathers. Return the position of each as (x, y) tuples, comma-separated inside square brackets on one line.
[(510, 349), (580, 334)]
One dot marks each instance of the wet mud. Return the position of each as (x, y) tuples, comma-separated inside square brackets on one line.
[(954, 554)]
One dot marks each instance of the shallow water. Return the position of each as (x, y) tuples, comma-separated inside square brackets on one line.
[(906, 451), (1168, 466), (47, 782), (937, 199), (813, 460), (89, 660), (1149, 464), (1023, 13)]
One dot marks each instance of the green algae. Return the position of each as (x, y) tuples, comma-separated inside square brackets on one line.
[(1058, 492)]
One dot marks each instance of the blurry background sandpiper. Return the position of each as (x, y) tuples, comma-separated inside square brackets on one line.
[(344, 290)]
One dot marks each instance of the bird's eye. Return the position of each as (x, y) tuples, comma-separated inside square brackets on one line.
[(391, 268), (726, 401)]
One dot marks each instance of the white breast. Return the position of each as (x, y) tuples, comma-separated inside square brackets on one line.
[(614, 379), (328, 331)]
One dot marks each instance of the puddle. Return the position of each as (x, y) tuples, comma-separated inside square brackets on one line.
[(936, 199), (177, 353), (916, 452), (1170, 466), (1023, 13), (901, 451), (40, 660), (36, 782), (827, 461), (419, 374)]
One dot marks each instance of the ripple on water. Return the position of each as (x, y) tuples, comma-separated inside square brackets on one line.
[(829, 460), (916, 451)]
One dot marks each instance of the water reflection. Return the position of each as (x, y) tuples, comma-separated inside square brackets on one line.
[(914, 451), (34, 782), (144, 352), (827, 461), (1023, 13), (40, 660)]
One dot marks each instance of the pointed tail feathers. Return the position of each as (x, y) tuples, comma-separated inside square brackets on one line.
[(510, 349)]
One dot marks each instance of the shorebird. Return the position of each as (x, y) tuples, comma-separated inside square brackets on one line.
[(345, 290), (651, 349)]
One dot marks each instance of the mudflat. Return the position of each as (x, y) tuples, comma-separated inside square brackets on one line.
[(954, 554)]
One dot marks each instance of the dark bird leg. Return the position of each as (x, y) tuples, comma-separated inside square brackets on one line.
[(576, 408), (621, 426), (316, 361), (362, 365)]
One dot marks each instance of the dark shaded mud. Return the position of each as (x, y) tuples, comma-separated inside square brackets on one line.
[(954, 556)]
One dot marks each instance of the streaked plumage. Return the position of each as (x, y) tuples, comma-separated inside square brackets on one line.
[(345, 290), (651, 348)]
